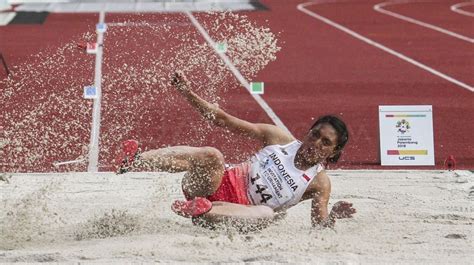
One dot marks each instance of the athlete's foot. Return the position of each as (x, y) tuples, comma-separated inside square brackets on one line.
[(129, 157), (192, 208)]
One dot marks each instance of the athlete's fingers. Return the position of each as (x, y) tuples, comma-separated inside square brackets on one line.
[(350, 209), (177, 76), (351, 212), (180, 76), (174, 79), (339, 204), (179, 81), (345, 212), (344, 203), (345, 206)]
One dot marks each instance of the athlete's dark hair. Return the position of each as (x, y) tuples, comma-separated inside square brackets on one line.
[(342, 133)]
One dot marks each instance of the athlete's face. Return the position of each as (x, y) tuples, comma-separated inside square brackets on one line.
[(319, 144)]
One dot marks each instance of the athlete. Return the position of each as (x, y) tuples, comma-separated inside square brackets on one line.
[(283, 173)]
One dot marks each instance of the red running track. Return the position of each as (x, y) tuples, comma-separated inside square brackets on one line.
[(468, 8), (329, 71), (319, 70)]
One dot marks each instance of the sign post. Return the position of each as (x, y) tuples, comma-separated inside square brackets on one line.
[(406, 135)]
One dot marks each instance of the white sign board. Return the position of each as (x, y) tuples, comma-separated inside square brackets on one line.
[(90, 92), (406, 135)]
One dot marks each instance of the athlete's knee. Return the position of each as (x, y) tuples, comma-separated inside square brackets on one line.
[(212, 155), (148, 155)]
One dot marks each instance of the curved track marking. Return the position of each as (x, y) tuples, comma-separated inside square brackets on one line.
[(237, 74), (379, 8), (457, 8), (302, 8)]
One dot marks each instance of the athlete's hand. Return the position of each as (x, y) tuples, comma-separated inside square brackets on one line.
[(342, 209), (179, 81)]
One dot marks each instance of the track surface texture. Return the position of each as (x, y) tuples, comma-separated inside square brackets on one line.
[(316, 70)]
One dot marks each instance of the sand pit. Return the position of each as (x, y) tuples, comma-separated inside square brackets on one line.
[(403, 217)]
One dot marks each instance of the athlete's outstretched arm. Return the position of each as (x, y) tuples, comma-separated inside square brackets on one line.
[(267, 133), (319, 206)]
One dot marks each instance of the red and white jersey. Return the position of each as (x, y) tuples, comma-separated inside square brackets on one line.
[(274, 180)]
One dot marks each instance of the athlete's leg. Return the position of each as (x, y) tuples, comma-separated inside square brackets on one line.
[(226, 209), (243, 217), (204, 166)]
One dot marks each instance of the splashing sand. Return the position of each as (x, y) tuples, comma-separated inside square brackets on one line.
[(405, 217), (46, 119)]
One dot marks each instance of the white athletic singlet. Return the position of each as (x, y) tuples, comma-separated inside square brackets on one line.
[(274, 180)]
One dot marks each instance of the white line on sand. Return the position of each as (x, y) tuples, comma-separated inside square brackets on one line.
[(457, 8), (301, 7), (379, 8), (95, 130), (237, 74)]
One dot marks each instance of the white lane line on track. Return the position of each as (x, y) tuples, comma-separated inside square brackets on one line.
[(301, 7), (57, 164), (379, 8), (457, 8), (145, 24), (237, 74), (95, 130)]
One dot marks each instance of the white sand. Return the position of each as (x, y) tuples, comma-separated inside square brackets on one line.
[(403, 217)]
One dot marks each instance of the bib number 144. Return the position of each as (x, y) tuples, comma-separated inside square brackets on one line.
[(260, 190)]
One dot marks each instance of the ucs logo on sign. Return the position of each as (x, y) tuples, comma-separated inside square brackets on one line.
[(406, 158)]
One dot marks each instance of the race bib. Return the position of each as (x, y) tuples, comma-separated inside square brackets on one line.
[(268, 186)]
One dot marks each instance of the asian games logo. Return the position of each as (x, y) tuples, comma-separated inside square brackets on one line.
[(263, 164), (403, 126)]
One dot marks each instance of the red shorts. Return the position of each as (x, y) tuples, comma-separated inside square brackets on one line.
[(233, 187)]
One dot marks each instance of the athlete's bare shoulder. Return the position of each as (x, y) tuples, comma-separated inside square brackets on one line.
[(275, 135), (321, 184)]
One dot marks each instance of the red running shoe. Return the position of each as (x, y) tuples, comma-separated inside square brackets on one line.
[(192, 208), (130, 154)]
